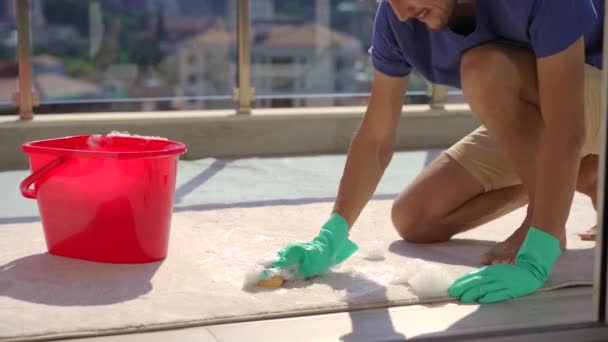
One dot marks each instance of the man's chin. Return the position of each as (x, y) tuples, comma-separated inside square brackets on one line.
[(436, 27)]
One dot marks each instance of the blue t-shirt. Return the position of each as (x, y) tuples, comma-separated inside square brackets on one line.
[(545, 27)]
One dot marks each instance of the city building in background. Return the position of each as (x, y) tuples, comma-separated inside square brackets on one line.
[(106, 55)]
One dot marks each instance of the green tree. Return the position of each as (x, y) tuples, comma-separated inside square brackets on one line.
[(80, 68)]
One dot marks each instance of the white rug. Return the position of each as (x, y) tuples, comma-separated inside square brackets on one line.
[(201, 282)]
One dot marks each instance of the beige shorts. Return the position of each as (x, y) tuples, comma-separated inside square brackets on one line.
[(478, 154)]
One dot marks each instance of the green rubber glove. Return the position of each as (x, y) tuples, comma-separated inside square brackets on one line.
[(500, 282), (329, 248)]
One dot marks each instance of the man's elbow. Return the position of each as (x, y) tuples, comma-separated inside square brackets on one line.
[(381, 148)]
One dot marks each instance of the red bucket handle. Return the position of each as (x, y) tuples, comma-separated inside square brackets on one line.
[(31, 179)]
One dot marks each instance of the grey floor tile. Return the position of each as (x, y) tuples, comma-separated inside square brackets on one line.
[(418, 321)]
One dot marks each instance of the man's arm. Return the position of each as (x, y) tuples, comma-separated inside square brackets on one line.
[(561, 89), (372, 146), (369, 154), (561, 99)]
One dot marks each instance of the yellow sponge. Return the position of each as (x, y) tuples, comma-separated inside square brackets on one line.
[(272, 282)]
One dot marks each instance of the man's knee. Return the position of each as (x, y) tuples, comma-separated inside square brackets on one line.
[(478, 66), (414, 223), (492, 69)]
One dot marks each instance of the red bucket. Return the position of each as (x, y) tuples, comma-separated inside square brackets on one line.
[(102, 197)]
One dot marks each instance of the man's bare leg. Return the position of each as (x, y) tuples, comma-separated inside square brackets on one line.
[(445, 199)]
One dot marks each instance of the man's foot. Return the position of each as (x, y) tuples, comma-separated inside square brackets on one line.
[(506, 251), (589, 234)]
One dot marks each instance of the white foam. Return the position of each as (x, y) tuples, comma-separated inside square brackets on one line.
[(127, 134), (361, 281), (405, 272), (94, 140), (255, 273), (430, 281), (252, 276), (374, 253)]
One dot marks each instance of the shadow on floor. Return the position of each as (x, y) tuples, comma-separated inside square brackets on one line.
[(53, 280), (200, 179), (464, 252), (18, 220), (358, 291)]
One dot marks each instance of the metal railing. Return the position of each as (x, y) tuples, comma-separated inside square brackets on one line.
[(243, 94), (24, 97)]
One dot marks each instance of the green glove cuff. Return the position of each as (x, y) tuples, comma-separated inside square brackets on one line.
[(337, 225), (336, 231), (540, 250)]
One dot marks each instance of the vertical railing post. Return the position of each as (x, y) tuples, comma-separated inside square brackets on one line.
[(437, 94), (25, 97), (244, 94)]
